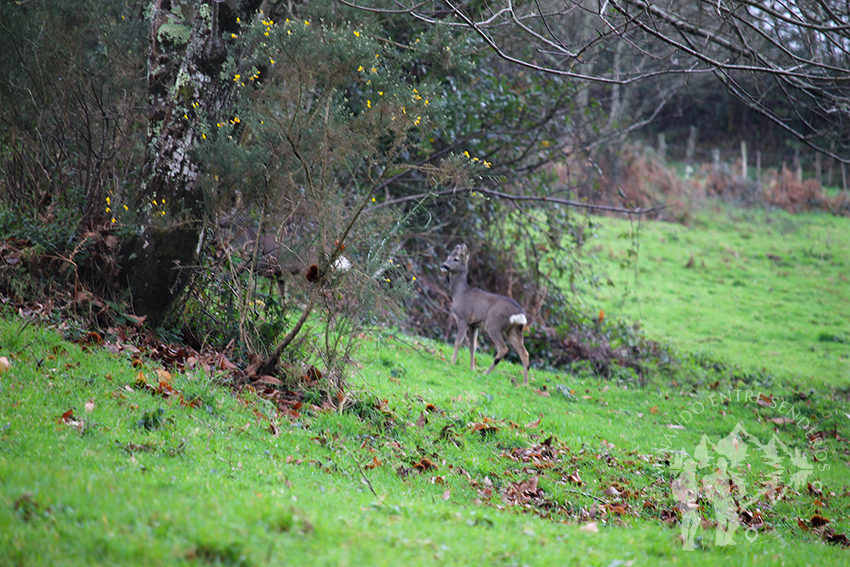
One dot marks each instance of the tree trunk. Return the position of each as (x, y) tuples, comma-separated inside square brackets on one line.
[(186, 93)]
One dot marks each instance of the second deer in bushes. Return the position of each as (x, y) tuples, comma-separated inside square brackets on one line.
[(473, 307)]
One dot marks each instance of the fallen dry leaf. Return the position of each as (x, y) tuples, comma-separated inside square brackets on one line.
[(4, 364), (69, 420), (89, 407), (447, 494), (781, 420), (425, 464), (590, 528)]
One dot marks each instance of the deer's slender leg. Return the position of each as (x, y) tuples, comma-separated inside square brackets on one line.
[(515, 338), (461, 333), (473, 344), (501, 348)]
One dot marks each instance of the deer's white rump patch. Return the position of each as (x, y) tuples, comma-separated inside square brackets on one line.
[(518, 319)]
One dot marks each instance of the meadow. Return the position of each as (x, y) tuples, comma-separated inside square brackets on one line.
[(107, 459), (761, 289)]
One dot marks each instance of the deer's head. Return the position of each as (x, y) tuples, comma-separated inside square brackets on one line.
[(457, 260)]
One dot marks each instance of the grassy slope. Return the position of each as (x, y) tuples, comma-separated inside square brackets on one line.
[(736, 301), (212, 485)]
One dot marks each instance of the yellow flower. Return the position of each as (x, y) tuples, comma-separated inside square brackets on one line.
[(487, 164), (381, 93), (233, 35), (266, 34), (373, 199), (360, 69), (163, 213), (107, 200), (368, 104), (357, 33), (466, 154), (306, 23), (374, 70), (414, 279), (154, 202), (204, 136), (113, 220), (272, 60), (125, 208), (237, 76), (108, 210)]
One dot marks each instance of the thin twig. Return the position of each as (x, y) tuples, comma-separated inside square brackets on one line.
[(508, 196), (586, 494), (360, 469)]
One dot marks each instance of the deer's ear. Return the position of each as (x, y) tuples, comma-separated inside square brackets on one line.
[(463, 249)]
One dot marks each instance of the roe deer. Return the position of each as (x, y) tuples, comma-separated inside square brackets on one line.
[(473, 307)]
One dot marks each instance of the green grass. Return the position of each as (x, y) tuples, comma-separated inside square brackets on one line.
[(121, 482), (758, 289)]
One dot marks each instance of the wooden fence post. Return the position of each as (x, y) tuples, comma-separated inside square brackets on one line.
[(818, 169), (662, 147)]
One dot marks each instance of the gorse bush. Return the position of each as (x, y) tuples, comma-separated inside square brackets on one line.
[(323, 116)]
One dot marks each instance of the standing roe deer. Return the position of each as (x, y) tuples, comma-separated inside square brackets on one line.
[(473, 307)]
